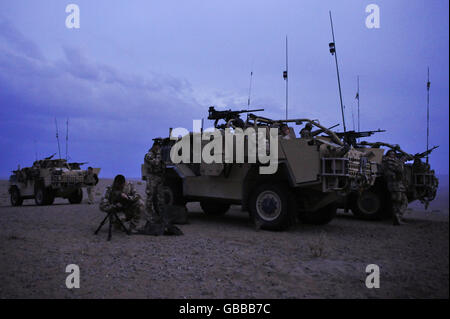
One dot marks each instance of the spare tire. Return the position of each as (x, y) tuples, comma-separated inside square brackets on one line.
[(370, 205)]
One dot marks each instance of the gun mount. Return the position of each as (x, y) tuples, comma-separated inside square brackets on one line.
[(350, 137), (229, 116)]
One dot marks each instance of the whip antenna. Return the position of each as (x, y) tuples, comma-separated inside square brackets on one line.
[(250, 89), (357, 97), (57, 138), (332, 46), (67, 139), (428, 109), (285, 77)]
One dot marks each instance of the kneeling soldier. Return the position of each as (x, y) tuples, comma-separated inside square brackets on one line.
[(121, 196)]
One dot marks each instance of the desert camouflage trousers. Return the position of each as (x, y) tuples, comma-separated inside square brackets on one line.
[(134, 215), (90, 192), (399, 203), (155, 198)]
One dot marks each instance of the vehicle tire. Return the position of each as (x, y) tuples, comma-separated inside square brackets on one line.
[(214, 208), (16, 199), (173, 193), (40, 195), (76, 197), (321, 216), (370, 205), (272, 207)]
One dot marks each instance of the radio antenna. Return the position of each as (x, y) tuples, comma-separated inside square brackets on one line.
[(285, 77), (357, 97), (250, 89), (332, 46), (67, 139), (57, 138), (428, 109)]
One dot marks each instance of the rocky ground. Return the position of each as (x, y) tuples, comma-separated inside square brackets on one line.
[(222, 257)]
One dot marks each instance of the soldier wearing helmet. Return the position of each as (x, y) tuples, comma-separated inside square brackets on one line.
[(393, 170), (155, 178), (307, 133)]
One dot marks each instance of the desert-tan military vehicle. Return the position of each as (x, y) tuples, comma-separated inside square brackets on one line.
[(47, 179), (375, 202), (311, 176)]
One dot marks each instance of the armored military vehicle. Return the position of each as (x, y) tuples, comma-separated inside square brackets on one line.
[(375, 203), (311, 175), (47, 179)]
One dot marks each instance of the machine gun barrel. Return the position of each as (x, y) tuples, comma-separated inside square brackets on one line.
[(426, 153), (359, 134), (213, 114), (333, 126)]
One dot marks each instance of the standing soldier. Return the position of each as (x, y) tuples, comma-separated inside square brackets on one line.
[(155, 178), (91, 179), (394, 172)]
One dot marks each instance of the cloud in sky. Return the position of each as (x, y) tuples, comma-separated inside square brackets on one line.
[(112, 113)]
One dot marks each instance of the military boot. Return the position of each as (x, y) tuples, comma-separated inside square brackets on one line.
[(397, 220)]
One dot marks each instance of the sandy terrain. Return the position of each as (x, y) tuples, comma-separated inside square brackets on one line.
[(219, 257)]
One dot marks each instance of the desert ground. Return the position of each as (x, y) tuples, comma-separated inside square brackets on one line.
[(220, 257)]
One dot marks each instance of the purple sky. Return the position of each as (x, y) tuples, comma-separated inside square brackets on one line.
[(136, 68)]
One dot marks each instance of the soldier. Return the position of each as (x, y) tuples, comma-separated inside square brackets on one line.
[(123, 197), (394, 173), (285, 132), (155, 178), (91, 180), (307, 133)]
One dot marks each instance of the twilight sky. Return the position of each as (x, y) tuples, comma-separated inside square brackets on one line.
[(136, 68)]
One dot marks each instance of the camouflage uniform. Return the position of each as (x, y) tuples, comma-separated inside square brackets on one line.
[(394, 173), (306, 133), (91, 181), (154, 189), (133, 208)]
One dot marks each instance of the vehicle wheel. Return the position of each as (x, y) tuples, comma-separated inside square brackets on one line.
[(369, 205), (321, 216), (16, 200), (272, 207), (40, 195), (76, 197), (173, 194), (216, 208)]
